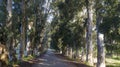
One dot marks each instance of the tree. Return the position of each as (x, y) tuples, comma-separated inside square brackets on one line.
[(100, 36), (23, 32), (68, 28), (9, 25), (89, 55)]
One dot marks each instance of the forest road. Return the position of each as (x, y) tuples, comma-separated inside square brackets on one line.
[(50, 59)]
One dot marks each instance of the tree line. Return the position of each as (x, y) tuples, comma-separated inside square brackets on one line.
[(23, 29), (79, 29), (86, 28)]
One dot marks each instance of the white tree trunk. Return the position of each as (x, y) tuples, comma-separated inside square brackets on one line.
[(71, 52), (82, 54), (77, 53), (67, 51), (18, 51), (100, 36), (101, 51), (100, 44), (9, 10)]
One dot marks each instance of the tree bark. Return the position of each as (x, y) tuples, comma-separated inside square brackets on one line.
[(9, 10), (67, 50), (100, 45), (9, 27), (77, 53), (70, 52), (23, 38), (89, 52), (100, 36)]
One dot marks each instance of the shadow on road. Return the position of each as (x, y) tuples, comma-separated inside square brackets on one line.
[(65, 59), (51, 59)]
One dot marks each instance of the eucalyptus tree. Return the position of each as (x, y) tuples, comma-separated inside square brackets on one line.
[(67, 33), (100, 36), (106, 27), (111, 32), (89, 54), (36, 20), (23, 32), (41, 17), (9, 26), (6, 26), (107, 14)]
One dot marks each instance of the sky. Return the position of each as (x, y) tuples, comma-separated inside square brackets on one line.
[(47, 6)]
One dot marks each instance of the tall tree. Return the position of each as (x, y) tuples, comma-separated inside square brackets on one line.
[(9, 27), (89, 53), (100, 36), (23, 32)]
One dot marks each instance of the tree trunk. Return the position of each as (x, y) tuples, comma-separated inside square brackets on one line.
[(67, 50), (23, 43), (82, 54), (100, 50), (100, 36), (63, 50), (89, 52), (77, 53), (9, 26), (70, 52)]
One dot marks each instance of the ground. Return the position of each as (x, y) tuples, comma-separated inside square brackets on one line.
[(51, 59), (113, 61)]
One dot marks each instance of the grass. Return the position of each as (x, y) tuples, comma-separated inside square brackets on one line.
[(113, 62), (16, 64), (28, 58)]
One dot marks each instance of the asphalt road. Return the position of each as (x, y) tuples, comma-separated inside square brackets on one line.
[(49, 59)]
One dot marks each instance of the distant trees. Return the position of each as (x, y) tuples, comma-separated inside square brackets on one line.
[(111, 26), (66, 28), (22, 27), (96, 19), (76, 28)]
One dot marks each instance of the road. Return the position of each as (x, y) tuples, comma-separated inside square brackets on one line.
[(49, 59)]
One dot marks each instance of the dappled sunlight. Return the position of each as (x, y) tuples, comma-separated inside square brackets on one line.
[(31, 62), (68, 61), (42, 59), (44, 64), (37, 60), (59, 33), (112, 62)]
